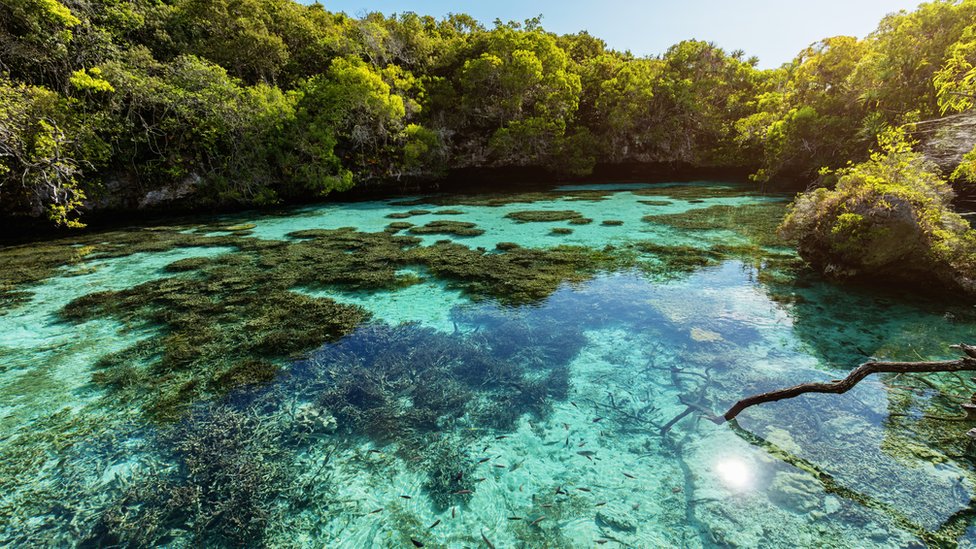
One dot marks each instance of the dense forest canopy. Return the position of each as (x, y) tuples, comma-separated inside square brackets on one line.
[(113, 103)]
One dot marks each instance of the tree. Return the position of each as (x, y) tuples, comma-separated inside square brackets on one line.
[(804, 121), (346, 119), (45, 150), (516, 88)]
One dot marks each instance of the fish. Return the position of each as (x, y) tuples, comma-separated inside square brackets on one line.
[(453, 511), (482, 460), (499, 465), (462, 492), (559, 490), (676, 490), (459, 476), (601, 504), (436, 522), (566, 425), (514, 518), (546, 505), (583, 489), (582, 444), (628, 475), (487, 542), (416, 543), (574, 404), (374, 511), (601, 541), (482, 479), (373, 451), (597, 420), (567, 442), (405, 497), (586, 453), (485, 449), (538, 520), (501, 437)]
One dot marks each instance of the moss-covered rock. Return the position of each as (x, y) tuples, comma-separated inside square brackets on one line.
[(888, 218)]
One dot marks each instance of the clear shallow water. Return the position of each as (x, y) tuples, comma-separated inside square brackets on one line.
[(540, 424)]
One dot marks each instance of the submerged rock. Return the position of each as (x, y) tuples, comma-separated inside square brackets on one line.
[(795, 492), (702, 335), (617, 517)]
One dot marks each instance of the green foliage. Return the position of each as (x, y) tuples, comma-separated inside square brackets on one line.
[(905, 53), (809, 118), (45, 150), (955, 82), (254, 102)]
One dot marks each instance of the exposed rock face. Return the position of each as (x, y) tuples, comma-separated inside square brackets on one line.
[(170, 193), (123, 192), (946, 140)]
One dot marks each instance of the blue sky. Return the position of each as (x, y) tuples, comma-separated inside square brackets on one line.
[(773, 30)]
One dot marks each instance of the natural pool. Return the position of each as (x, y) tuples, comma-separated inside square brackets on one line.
[(464, 371)]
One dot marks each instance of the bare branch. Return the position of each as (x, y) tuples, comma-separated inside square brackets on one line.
[(840, 386)]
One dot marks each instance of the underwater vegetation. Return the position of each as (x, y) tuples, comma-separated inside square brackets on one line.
[(580, 221), (247, 407), (28, 264), (692, 192), (534, 216), (228, 321), (756, 222), (398, 226), (456, 228), (504, 199), (228, 468), (231, 462)]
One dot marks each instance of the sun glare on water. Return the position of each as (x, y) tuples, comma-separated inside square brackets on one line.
[(735, 474)]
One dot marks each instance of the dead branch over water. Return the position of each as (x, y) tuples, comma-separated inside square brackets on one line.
[(840, 386)]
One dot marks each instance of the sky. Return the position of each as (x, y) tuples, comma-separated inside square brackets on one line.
[(773, 30)]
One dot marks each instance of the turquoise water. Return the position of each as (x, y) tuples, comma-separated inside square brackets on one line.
[(455, 415)]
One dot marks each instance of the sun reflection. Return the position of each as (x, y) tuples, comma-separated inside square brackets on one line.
[(734, 473)]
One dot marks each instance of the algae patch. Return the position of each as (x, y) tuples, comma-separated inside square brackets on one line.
[(536, 216)]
